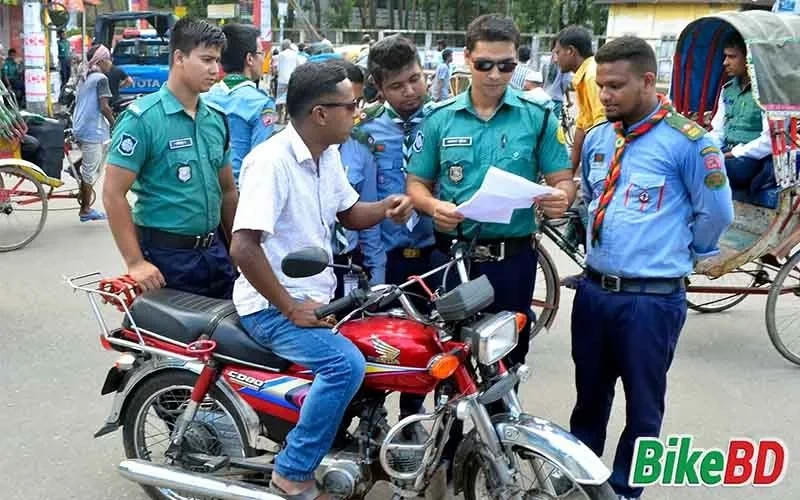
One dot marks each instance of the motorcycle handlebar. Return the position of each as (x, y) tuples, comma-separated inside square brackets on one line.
[(339, 304)]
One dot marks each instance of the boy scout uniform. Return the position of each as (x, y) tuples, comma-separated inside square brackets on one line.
[(178, 205), (455, 149), (671, 204), (251, 115), (378, 151)]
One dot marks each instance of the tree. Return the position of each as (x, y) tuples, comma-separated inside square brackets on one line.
[(340, 14)]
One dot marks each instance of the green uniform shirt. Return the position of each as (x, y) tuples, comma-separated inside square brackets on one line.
[(743, 121), (176, 160), (455, 149)]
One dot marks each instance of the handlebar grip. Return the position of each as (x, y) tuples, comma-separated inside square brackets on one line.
[(335, 306)]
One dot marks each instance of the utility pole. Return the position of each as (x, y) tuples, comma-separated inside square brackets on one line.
[(283, 9)]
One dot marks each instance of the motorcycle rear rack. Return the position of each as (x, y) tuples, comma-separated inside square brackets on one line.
[(89, 284)]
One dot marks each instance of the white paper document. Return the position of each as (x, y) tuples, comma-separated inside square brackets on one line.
[(500, 194)]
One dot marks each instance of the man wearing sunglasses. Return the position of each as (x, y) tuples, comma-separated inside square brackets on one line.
[(293, 189), (250, 111), (491, 125)]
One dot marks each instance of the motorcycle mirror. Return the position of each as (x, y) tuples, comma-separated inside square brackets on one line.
[(305, 262)]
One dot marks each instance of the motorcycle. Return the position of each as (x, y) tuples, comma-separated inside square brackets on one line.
[(194, 391)]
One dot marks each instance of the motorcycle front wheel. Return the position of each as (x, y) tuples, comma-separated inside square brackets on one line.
[(537, 479), (216, 429)]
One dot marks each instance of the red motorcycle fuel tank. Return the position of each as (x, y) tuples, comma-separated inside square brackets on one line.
[(397, 350)]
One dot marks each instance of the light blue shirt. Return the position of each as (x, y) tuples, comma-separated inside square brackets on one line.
[(443, 78), (251, 117), (88, 122), (669, 208), (559, 85), (375, 151)]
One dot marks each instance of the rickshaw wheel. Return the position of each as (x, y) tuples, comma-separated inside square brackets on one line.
[(29, 195), (790, 271), (715, 303)]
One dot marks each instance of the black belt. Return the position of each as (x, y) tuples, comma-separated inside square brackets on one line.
[(497, 249), (165, 239), (657, 286)]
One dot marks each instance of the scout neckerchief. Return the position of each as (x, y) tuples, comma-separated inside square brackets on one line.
[(408, 127), (408, 143), (623, 139), (235, 79)]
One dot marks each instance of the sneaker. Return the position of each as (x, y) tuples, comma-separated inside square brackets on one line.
[(92, 215)]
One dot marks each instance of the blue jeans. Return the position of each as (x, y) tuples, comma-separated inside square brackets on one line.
[(629, 336), (338, 368)]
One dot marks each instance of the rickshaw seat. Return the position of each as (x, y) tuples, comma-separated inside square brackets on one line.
[(767, 198)]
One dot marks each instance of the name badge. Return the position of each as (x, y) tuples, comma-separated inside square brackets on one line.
[(449, 142), (181, 143)]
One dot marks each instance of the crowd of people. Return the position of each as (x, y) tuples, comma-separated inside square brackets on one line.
[(221, 198)]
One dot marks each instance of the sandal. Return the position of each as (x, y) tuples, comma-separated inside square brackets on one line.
[(311, 493)]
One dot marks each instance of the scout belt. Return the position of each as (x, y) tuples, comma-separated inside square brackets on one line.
[(494, 249), (165, 239), (410, 252), (657, 286)]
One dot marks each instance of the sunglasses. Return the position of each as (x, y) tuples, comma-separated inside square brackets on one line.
[(349, 106), (485, 65)]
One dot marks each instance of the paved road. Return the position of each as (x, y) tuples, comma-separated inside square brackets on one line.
[(726, 380)]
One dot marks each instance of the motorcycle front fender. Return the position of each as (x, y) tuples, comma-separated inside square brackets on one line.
[(553, 443), (142, 372), (542, 437)]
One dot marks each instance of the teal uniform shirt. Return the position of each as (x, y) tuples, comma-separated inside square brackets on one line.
[(176, 160), (455, 149)]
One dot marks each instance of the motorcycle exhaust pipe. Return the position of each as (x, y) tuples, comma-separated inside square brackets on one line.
[(165, 476)]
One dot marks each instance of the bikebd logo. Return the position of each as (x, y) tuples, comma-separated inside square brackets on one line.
[(679, 464)]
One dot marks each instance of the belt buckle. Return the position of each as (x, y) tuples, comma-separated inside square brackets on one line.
[(611, 283), (502, 247), (203, 241), (412, 253)]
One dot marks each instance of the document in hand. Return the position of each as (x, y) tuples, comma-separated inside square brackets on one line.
[(500, 194)]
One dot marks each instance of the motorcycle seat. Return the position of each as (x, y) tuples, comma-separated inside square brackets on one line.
[(183, 317)]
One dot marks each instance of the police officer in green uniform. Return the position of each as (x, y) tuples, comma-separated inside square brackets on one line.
[(491, 125), (171, 149)]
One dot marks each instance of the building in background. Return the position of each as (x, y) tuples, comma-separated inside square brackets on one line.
[(661, 21), (11, 25)]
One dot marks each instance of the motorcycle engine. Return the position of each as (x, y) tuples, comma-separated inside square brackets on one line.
[(344, 474)]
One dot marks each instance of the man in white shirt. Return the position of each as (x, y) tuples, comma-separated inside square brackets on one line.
[(533, 88), (740, 127), (293, 189), (288, 60)]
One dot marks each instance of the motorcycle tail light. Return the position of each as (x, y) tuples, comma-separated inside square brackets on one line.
[(105, 343), (442, 366)]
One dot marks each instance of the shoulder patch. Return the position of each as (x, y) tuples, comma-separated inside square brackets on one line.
[(362, 137), (127, 145), (685, 126), (715, 180), (369, 113)]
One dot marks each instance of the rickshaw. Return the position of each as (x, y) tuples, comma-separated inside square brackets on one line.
[(759, 252)]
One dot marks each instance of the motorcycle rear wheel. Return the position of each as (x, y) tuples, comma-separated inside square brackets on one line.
[(556, 485), (205, 434)]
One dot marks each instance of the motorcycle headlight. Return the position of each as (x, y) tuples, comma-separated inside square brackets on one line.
[(492, 337)]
